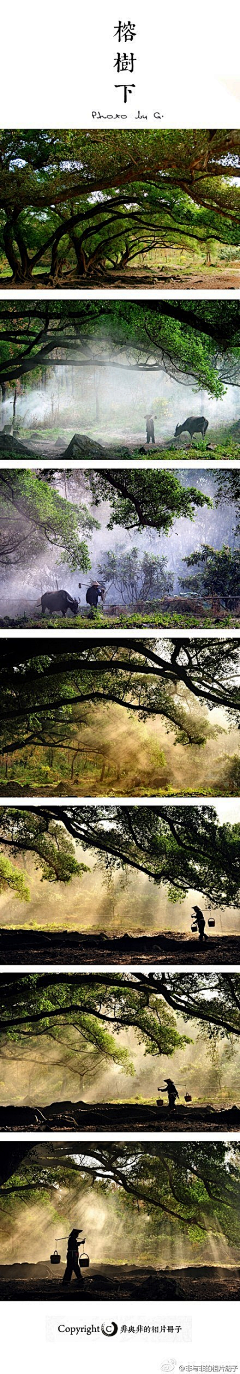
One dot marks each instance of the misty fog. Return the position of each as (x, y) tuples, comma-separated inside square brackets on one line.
[(29, 574), (116, 755), (29, 1233), (110, 402), (113, 902), (44, 1070)]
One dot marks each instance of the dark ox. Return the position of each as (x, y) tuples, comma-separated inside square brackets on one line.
[(195, 424), (59, 601)]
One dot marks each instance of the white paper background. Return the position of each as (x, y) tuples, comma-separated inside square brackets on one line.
[(57, 64), (29, 1333), (56, 69)]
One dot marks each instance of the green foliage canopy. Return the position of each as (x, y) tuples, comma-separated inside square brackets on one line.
[(32, 514), (136, 577), (186, 848), (103, 196), (40, 689), (216, 572), (196, 1183), (139, 499), (98, 1009), (198, 341)]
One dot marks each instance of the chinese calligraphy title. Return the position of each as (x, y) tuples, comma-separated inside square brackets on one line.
[(125, 61)]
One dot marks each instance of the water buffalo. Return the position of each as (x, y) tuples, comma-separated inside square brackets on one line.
[(194, 424), (59, 601)]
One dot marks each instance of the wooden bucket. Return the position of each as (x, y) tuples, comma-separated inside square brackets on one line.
[(84, 1261)]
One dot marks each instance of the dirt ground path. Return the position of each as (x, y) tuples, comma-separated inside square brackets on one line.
[(120, 1117), (213, 279), (60, 947), (123, 1283)]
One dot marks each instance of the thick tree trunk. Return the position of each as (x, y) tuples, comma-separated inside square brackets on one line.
[(96, 260), (124, 259), (56, 265), (82, 262), (26, 267), (8, 239)]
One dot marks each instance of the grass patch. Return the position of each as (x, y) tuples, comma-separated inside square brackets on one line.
[(124, 620)]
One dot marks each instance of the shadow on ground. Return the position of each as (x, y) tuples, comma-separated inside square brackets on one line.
[(60, 947), (38, 1281), (68, 1116)]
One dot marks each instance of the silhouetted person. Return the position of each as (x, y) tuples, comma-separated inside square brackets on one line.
[(73, 1266), (200, 920), (171, 1091), (150, 427), (92, 595)]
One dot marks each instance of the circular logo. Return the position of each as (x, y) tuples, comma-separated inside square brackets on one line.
[(168, 1366), (109, 1329)]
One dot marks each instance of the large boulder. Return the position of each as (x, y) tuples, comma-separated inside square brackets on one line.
[(12, 448), (81, 446)]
